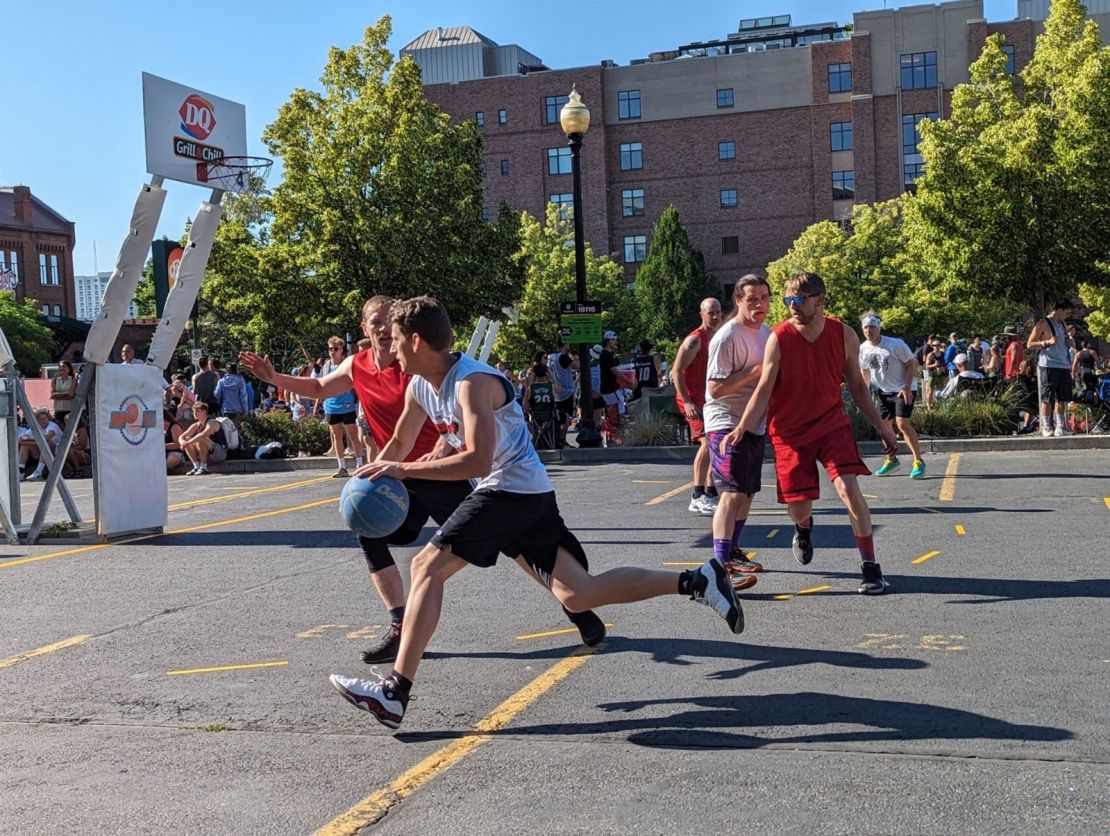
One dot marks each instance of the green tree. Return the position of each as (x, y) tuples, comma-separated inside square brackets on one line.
[(382, 194), (28, 335), (1015, 200), (1097, 301), (672, 282), (547, 257)]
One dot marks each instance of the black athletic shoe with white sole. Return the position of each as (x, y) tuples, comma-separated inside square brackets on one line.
[(713, 588), (387, 647), (590, 627), (873, 582), (802, 545), (381, 697)]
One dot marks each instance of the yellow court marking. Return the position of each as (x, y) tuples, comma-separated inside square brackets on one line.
[(651, 481), (229, 667), (1106, 499), (960, 530), (254, 492), (373, 807), (810, 591), (42, 651), (664, 497), (948, 486), (869, 496), (99, 546), (683, 563), (772, 533), (551, 633), (926, 556)]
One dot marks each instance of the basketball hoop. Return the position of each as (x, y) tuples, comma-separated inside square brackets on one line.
[(234, 174)]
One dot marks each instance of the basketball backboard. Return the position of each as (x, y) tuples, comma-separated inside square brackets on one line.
[(187, 128)]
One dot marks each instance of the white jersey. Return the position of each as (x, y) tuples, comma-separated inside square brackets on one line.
[(516, 465), (887, 364), (734, 347)]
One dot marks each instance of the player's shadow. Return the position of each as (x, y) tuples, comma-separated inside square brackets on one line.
[(1036, 475), (304, 539), (685, 652), (910, 510), (721, 723)]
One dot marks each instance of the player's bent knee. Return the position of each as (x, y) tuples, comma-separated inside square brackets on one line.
[(377, 553)]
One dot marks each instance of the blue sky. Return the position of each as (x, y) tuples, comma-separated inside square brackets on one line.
[(71, 126)]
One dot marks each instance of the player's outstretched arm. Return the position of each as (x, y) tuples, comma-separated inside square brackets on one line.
[(328, 386)]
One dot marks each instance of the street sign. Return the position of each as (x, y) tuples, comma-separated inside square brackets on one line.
[(580, 322), (195, 353)]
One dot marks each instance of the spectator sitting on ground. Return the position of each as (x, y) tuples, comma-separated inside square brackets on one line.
[(79, 456), (29, 449), (175, 456), (203, 442), (963, 374), (231, 392)]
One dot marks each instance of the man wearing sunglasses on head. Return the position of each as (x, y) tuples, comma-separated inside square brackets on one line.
[(806, 359)]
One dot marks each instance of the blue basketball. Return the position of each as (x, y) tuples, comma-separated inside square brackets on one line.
[(374, 508)]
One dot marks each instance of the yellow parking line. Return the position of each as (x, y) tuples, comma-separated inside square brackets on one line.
[(772, 533), (373, 807), (551, 633), (960, 530), (42, 651), (664, 497), (926, 556), (255, 492), (229, 667), (948, 486), (249, 517), (651, 481), (1106, 499), (813, 589)]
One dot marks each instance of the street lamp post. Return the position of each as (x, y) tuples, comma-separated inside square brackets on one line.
[(574, 119)]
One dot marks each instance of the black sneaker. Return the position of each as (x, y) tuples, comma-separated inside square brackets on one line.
[(802, 545), (873, 582), (713, 589), (387, 647), (738, 561), (591, 628)]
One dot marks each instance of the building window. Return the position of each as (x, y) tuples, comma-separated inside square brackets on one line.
[(730, 245), (558, 161), (632, 203), (725, 98), (502, 117), (504, 167), (913, 166), (1009, 50), (840, 136), (844, 185), (42, 268), (635, 248), (57, 310), (726, 150), (54, 279), (480, 118), (485, 213), (565, 202), (551, 107), (46, 310), (728, 198), (919, 70), (10, 260), (840, 78), (632, 156), (628, 104)]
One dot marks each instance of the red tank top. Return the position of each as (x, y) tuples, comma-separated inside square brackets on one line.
[(382, 395), (806, 402), (694, 374)]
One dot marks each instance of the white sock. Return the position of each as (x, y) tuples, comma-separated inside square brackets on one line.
[(342, 462), (358, 461)]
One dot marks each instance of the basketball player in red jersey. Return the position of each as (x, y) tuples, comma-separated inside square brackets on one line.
[(380, 386), (806, 358), (688, 375)]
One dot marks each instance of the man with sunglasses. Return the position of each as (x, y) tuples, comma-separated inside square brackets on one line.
[(806, 359)]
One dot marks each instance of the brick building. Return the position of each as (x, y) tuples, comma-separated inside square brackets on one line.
[(753, 136), (36, 250)]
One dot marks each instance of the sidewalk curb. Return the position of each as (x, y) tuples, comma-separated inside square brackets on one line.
[(617, 455)]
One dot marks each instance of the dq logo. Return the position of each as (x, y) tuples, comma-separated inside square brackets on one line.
[(133, 420), (198, 117)]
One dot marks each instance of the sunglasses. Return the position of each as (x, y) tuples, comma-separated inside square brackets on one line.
[(797, 301), (335, 348)]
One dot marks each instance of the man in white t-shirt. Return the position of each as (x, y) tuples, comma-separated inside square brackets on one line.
[(890, 368), (733, 366)]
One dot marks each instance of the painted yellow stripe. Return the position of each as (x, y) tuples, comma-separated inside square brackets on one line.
[(229, 668), (191, 503), (42, 651), (651, 481), (684, 563), (772, 533), (926, 556), (960, 530), (1106, 499), (813, 589), (948, 486), (783, 597), (552, 633), (261, 516), (373, 807), (869, 496), (664, 497)]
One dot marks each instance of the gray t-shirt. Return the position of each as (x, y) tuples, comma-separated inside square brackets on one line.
[(887, 364), (734, 347)]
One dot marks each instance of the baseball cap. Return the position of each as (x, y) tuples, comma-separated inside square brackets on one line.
[(960, 359), (595, 352), (610, 335), (952, 336)]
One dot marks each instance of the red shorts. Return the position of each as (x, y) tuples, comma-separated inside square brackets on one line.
[(796, 465), (697, 429)]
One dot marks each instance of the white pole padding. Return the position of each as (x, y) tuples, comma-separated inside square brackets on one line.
[(487, 346), (125, 278), (476, 337), (5, 351), (179, 303)]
